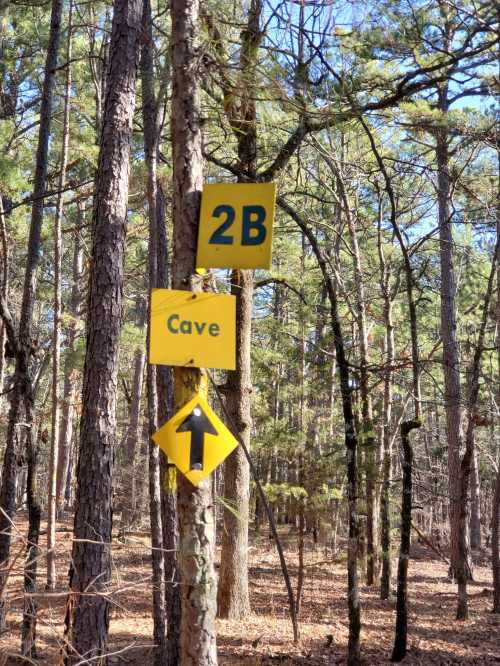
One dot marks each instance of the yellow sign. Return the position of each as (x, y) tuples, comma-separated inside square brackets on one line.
[(193, 329), (196, 440), (236, 225)]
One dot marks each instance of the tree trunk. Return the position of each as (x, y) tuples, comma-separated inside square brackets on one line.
[(88, 618), (462, 565), (385, 517), (155, 397), (495, 545), (475, 503), (133, 433), (4, 283), (401, 634), (196, 529), (28, 628), (23, 388), (451, 366), (71, 374), (56, 332), (233, 600)]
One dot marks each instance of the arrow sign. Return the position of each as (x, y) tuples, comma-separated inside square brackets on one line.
[(195, 439), (197, 424)]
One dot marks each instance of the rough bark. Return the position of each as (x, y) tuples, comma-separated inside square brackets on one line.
[(23, 389), (149, 115), (56, 331), (451, 361), (233, 599), (28, 628), (385, 520), (4, 253), (368, 438), (88, 616), (196, 529)]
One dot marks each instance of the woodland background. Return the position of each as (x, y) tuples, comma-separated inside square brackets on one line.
[(367, 388)]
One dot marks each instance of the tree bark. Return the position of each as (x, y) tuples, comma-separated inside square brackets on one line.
[(385, 517), (88, 617), (233, 598), (4, 251), (129, 497), (475, 503), (23, 389), (71, 374), (401, 634), (196, 529), (56, 332), (462, 565), (495, 545), (451, 363), (159, 527)]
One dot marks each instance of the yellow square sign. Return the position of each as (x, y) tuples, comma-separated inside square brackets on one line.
[(195, 439), (236, 225), (193, 329)]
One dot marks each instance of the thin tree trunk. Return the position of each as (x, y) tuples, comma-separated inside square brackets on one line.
[(462, 565), (351, 443), (196, 529), (88, 615), (165, 387), (71, 374), (475, 504), (233, 599), (495, 509), (4, 253), (400, 638), (22, 343), (149, 114), (495, 545), (385, 517), (28, 628), (133, 432), (56, 332)]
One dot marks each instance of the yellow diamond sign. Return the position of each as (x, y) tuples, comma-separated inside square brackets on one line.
[(193, 329), (195, 440), (236, 225)]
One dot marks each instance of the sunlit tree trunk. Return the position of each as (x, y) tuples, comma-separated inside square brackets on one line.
[(56, 332), (88, 614), (154, 397), (71, 374), (196, 528)]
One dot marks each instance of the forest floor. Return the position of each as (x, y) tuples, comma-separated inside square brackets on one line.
[(265, 636)]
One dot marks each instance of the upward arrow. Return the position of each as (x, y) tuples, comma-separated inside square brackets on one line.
[(197, 423)]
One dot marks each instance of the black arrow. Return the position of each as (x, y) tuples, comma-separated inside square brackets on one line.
[(197, 423)]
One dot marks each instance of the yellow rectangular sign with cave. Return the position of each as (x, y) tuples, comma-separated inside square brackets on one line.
[(236, 225), (193, 329)]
